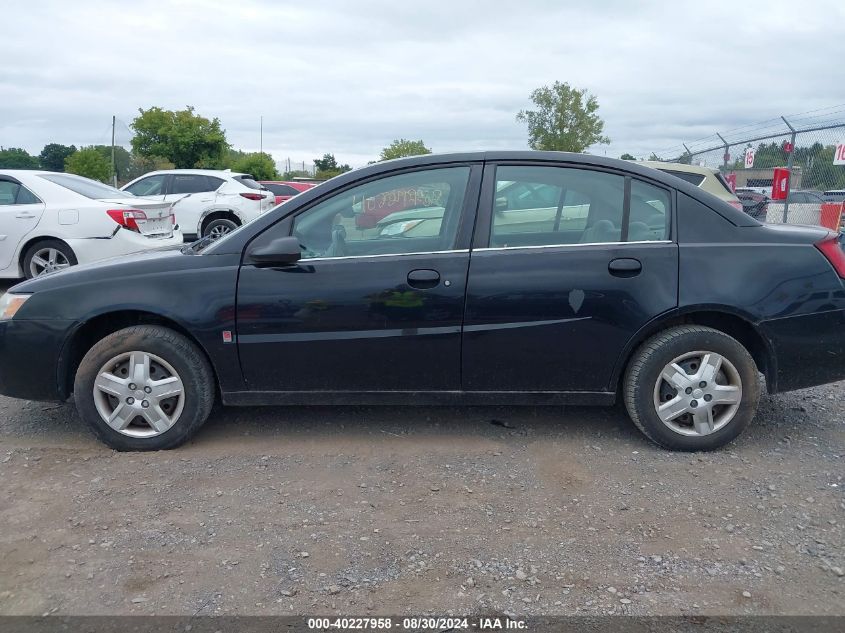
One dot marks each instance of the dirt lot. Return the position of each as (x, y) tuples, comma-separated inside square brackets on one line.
[(425, 510)]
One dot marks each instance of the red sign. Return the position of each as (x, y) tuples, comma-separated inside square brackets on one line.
[(780, 183), (727, 157), (787, 147), (749, 158), (731, 178), (839, 154)]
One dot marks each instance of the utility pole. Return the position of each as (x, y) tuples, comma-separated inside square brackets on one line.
[(726, 155), (113, 172), (789, 161), (261, 135)]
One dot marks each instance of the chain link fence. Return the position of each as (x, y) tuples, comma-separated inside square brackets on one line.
[(787, 170)]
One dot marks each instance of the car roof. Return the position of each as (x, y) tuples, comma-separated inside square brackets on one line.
[(199, 172)]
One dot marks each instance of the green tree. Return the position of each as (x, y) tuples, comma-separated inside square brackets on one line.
[(565, 119), (122, 160), (182, 137), (90, 163), (53, 156), (140, 165), (17, 158), (627, 156), (259, 164), (328, 167), (403, 147)]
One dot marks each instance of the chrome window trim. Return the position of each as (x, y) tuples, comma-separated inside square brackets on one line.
[(544, 246), (305, 260)]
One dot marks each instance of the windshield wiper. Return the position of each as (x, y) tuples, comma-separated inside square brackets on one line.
[(196, 247)]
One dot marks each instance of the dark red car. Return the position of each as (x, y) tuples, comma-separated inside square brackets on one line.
[(287, 189)]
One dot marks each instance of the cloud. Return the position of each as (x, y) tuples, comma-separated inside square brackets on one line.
[(348, 77)]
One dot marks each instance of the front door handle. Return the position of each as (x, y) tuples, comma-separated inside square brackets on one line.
[(423, 278), (625, 267)]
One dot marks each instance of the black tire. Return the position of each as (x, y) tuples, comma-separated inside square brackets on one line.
[(645, 368), (189, 363), (220, 224), (61, 247)]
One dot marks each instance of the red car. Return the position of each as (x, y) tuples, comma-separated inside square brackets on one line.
[(286, 189)]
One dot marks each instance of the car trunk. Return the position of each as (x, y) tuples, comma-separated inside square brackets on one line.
[(158, 221)]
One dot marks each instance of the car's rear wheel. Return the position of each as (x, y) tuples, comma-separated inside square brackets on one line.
[(47, 256), (691, 388), (144, 388), (218, 228)]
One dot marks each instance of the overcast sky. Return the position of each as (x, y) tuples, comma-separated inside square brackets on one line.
[(348, 77)]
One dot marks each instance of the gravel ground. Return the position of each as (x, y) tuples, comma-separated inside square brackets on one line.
[(370, 510), (385, 510)]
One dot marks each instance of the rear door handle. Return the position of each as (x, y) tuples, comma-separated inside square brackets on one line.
[(625, 267), (423, 278), (25, 216)]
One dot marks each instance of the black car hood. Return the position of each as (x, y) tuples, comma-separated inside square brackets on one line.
[(124, 266)]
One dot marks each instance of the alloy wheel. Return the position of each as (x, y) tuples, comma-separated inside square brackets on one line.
[(219, 231), (47, 260), (698, 393), (139, 394)]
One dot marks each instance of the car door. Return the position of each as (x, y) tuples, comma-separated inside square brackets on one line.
[(20, 212), (368, 310), (193, 193), (561, 278)]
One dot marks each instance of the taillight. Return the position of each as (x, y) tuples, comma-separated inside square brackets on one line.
[(127, 218), (834, 251), (252, 196)]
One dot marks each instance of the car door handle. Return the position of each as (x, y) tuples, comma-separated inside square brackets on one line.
[(423, 278), (25, 216), (625, 267)]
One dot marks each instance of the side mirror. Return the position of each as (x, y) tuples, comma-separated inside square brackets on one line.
[(280, 252)]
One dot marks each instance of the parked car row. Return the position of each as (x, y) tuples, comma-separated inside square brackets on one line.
[(50, 221), (208, 203)]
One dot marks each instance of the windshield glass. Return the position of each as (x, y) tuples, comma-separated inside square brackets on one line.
[(86, 187)]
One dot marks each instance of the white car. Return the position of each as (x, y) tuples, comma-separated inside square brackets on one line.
[(207, 202), (50, 220)]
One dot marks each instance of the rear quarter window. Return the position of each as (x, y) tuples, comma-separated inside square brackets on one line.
[(248, 181)]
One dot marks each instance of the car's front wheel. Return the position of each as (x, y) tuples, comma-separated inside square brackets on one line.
[(145, 387), (691, 388)]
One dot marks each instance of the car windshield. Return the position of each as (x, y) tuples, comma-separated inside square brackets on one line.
[(86, 187)]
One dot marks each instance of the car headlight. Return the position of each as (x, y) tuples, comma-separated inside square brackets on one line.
[(10, 304)]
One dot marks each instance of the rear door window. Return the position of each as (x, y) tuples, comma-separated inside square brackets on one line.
[(552, 206), (539, 206), (188, 183)]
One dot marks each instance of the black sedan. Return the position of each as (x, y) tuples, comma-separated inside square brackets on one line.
[(502, 277)]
